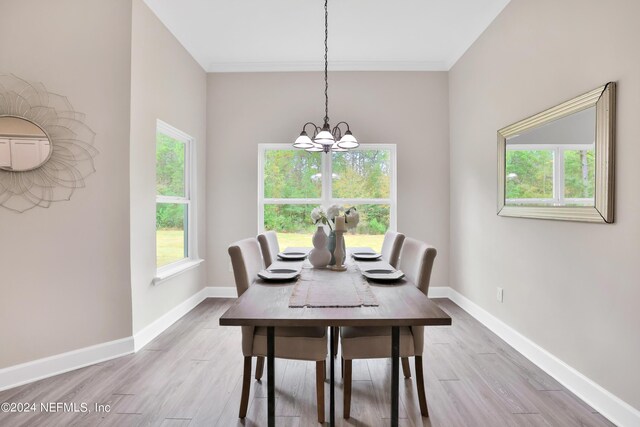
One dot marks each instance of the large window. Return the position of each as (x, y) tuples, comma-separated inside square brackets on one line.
[(544, 174), (292, 182), (175, 207)]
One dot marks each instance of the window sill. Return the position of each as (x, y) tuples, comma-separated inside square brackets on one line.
[(174, 270)]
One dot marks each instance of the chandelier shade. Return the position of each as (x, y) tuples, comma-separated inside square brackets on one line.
[(303, 141)]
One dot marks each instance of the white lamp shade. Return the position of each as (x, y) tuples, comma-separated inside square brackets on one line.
[(337, 149), (324, 137), (348, 141), (314, 149), (303, 141)]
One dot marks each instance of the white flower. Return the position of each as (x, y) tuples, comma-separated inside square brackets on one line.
[(333, 212), (352, 218), (315, 214)]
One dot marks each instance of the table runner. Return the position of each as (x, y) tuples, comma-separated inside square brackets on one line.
[(327, 288)]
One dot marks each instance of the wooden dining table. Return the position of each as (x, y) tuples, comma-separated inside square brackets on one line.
[(400, 304)]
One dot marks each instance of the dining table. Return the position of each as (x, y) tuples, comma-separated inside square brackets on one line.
[(398, 304)]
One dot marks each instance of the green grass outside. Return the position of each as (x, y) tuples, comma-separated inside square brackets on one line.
[(170, 243), (169, 246)]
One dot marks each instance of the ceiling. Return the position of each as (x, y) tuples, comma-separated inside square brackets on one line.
[(288, 35)]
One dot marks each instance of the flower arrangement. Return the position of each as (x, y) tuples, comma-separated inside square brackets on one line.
[(328, 217)]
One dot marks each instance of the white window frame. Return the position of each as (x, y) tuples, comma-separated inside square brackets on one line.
[(325, 198), (192, 260), (558, 173)]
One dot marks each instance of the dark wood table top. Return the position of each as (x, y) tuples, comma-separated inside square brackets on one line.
[(400, 304)]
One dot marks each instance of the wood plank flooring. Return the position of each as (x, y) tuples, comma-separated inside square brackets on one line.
[(191, 376)]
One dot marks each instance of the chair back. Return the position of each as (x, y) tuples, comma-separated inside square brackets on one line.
[(246, 262), (391, 247), (417, 262), (269, 247)]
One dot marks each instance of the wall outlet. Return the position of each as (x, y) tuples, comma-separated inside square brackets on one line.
[(500, 295)]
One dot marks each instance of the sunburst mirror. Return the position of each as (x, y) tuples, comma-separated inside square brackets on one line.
[(46, 149)]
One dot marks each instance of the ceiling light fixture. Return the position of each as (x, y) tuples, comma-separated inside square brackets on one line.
[(325, 138)]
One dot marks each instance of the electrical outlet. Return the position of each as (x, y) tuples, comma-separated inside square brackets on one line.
[(500, 295)]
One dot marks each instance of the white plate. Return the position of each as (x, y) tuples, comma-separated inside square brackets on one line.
[(381, 275), (292, 256), (366, 256), (278, 274)]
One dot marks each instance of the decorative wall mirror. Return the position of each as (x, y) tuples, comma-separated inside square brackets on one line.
[(559, 164), (46, 150)]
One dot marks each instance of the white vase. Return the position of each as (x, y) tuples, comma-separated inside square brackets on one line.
[(319, 256)]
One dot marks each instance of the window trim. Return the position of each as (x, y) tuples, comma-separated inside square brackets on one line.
[(327, 171), (192, 259), (558, 173)]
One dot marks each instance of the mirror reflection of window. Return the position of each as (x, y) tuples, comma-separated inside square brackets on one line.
[(553, 164), (23, 145)]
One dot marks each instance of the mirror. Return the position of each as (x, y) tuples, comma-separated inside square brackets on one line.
[(559, 164), (23, 145)]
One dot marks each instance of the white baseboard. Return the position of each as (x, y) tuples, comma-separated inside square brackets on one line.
[(35, 370), (438, 292), (222, 292), (610, 406), (148, 333)]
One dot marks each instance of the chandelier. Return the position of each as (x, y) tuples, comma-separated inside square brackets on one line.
[(325, 138)]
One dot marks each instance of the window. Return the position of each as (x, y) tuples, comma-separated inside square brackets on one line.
[(175, 207), (292, 182), (550, 174)]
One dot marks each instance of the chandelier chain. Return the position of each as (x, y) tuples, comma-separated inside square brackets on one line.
[(326, 62)]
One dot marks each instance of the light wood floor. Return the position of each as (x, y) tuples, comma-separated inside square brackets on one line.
[(190, 376)]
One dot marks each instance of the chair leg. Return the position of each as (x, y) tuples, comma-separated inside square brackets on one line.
[(422, 398), (342, 367), (347, 389), (336, 336), (246, 386), (406, 370), (259, 367), (320, 371)]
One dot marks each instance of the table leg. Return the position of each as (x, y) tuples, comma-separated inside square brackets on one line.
[(271, 392), (332, 397), (395, 374)]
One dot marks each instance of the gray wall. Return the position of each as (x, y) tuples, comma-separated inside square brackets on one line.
[(65, 270), (409, 109), (166, 84), (572, 288)]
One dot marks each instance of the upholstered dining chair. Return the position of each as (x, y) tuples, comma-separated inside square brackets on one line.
[(375, 342), (269, 247), (297, 343), (391, 247)]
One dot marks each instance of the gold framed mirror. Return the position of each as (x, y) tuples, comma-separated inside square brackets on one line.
[(559, 164)]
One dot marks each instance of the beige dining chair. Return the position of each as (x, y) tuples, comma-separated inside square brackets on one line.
[(391, 247), (297, 343), (269, 247), (375, 342)]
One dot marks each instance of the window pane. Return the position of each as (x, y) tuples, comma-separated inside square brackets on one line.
[(170, 166), (579, 175), (295, 228), (292, 223), (374, 222), (362, 174), (171, 235), (292, 174), (529, 175)]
